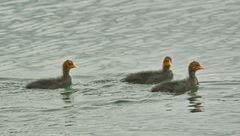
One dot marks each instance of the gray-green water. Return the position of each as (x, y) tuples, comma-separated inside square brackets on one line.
[(107, 39)]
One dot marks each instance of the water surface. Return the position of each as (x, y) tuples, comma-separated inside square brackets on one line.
[(107, 40)]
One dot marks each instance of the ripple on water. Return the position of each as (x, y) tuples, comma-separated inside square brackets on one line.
[(107, 40)]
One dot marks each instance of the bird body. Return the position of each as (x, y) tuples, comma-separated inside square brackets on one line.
[(181, 85), (152, 77), (54, 83), (176, 86)]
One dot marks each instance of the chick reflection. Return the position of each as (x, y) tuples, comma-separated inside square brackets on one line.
[(194, 102), (66, 95)]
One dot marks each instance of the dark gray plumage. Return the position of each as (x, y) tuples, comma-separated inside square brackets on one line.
[(152, 77), (62, 82), (182, 85)]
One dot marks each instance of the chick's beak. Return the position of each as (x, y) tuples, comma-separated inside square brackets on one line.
[(168, 63), (200, 67), (72, 66)]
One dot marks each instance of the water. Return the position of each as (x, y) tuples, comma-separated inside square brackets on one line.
[(107, 40)]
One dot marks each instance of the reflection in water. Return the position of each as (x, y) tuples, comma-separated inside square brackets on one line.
[(66, 95), (194, 102), (69, 116)]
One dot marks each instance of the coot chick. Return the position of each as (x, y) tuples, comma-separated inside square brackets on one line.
[(152, 77), (181, 86), (62, 82)]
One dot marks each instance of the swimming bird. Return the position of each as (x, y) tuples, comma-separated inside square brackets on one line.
[(181, 86), (152, 77), (62, 82)]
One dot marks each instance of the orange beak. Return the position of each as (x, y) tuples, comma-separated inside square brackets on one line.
[(168, 63), (72, 66), (200, 67)]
